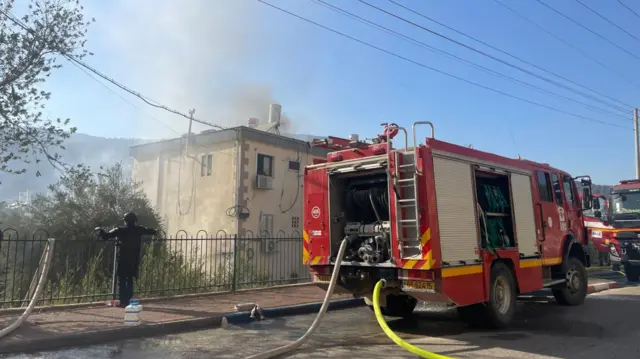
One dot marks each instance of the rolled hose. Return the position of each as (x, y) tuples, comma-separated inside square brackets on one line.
[(38, 292), (316, 323), (393, 336)]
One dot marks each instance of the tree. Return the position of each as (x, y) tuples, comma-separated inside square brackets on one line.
[(29, 48), (83, 199)]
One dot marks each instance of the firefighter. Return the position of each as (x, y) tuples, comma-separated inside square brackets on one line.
[(129, 238)]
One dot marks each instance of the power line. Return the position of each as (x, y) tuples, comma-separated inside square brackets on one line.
[(565, 42), (121, 97), (591, 97), (628, 8), (457, 58), (509, 54), (588, 29), (607, 20), (75, 60), (440, 71)]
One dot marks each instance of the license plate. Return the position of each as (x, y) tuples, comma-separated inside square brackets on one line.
[(323, 278), (419, 285)]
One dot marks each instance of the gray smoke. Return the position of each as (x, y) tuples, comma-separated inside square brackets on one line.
[(188, 54)]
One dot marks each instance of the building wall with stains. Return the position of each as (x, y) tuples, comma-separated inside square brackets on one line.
[(216, 191)]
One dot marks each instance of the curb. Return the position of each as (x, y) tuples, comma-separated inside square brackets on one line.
[(97, 304), (150, 330), (600, 287)]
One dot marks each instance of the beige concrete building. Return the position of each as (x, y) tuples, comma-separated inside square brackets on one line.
[(235, 181)]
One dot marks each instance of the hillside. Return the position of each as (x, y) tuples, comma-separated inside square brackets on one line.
[(91, 150)]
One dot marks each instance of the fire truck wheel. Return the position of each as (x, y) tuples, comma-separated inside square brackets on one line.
[(632, 273), (502, 297), (398, 305), (576, 289)]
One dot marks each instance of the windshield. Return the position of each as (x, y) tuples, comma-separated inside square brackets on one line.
[(626, 205), (603, 209)]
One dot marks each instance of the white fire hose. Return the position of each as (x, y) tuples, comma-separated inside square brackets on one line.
[(316, 323), (38, 292)]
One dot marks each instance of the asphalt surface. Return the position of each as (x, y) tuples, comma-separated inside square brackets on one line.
[(605, 327)]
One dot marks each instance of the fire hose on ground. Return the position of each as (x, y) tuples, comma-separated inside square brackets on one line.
[(38, 292), (273, 353)]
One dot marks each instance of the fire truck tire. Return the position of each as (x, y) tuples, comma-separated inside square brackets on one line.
[(398, 305), (498, 312), (501, 306), (632, 273), (576, 290)]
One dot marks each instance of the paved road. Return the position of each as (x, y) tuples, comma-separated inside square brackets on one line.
[(605, 327)]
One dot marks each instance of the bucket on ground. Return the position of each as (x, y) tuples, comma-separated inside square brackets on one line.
[(133, 313)]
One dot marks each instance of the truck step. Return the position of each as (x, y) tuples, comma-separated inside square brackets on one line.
[(407, 200), (552, 282)]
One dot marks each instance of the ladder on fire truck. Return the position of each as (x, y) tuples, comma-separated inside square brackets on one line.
[(405, 175)]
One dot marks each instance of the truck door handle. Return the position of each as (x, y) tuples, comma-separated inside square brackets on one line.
[(544, 224)]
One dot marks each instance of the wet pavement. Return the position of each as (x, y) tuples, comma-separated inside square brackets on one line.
[(605, 327)]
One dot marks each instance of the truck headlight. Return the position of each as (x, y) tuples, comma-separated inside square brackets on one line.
[(596, 234)]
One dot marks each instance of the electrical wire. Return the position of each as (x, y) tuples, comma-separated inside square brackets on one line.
[(628, 8), (362, 42), (567, 43), (607, 20), (588, 29), (77, 61), (506, 53), (459, 59), (516, 67)]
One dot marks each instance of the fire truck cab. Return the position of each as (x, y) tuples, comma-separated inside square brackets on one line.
[(596, 227), (623, 218), (444, 223)]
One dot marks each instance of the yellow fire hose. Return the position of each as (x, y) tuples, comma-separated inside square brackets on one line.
[(393, 336), (323, 309)]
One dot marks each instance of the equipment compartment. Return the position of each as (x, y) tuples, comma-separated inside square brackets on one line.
[(494, 207), (359, 211)]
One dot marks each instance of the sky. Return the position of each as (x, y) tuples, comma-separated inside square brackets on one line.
[(228, 59)]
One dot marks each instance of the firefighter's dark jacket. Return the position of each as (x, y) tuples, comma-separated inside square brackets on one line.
[(130, 239)]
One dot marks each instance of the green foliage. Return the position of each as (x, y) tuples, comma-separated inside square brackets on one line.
[(29, 47), (83, 265)]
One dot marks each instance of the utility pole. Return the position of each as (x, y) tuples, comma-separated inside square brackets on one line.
[(635, 133)]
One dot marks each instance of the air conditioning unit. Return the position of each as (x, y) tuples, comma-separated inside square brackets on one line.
[(264, 182), (269, 245)]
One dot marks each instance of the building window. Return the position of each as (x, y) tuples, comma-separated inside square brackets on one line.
[(556, 189), (544, 186), (265, 165), (294, 166), (295, 222), (206, 163)]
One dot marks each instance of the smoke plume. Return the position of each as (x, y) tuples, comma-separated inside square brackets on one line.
[(191, 54)]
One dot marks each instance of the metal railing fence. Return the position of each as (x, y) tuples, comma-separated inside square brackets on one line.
[(84, 266)]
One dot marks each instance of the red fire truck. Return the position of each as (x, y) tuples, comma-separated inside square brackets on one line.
[(623, 219), (597, 230), (444, 223)]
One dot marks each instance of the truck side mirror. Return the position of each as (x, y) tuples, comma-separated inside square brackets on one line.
[(596, 204), (587, 200), (597, 214)]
